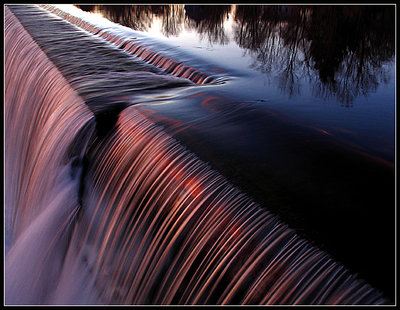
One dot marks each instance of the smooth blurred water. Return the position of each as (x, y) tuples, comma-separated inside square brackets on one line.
[(301, 119)]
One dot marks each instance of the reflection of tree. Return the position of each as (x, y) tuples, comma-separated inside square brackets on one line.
[(345, 45), (264, 33), (172, 20), (137, 17), (208, 21), (140, 17), (353, 78), (353, 65), (340, 50), (87, 8)]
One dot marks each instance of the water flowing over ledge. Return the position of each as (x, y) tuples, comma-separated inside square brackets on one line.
[(44, 118), (168, 64), (153, 224), (43, 115), (170, 230)]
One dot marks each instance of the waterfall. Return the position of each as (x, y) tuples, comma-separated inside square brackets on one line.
[(130, 215), (161, 227), (47, 126)]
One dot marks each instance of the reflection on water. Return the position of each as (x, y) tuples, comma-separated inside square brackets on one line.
[(339, 50), (140, 17), (208, 21)]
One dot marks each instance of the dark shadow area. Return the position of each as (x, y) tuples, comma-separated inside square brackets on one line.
[(86, 7), (106, 111), (208, 21)]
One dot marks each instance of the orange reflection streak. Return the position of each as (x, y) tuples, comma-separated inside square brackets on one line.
[(197, 95), (381, 160), (324, 131), (211, 102), (357, 149)]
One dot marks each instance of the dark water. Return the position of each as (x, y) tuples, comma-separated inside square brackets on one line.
[(297, 112)]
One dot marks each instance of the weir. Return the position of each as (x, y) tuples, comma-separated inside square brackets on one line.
[(44, 116), (170, 66), (147, 222)]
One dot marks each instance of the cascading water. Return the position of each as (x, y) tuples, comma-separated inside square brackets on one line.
[(128, 215), (169, 65), (44, 118), (160, 227)]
